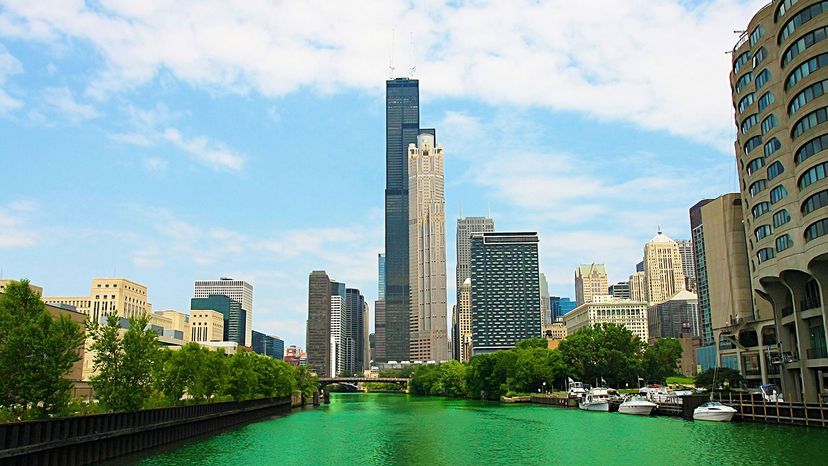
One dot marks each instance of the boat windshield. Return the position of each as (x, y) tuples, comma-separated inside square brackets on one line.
[(711, 404)]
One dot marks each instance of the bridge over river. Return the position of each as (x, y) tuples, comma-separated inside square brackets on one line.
[(353, 381)]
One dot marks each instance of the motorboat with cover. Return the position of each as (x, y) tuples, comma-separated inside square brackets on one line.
[(713, 411), (637, 404), (596, 399)]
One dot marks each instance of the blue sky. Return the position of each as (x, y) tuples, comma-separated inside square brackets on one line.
[(172, 142)]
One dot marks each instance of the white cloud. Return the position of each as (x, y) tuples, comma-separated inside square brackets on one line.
[(658, 64), (62, 100), (155, 164), (14, 231), (9, 65), (206, 152)]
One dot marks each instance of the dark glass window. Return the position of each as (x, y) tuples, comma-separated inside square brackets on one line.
[(814, 146), (745, 102), (810, 120), (740, 61), (780, 218), (759, 56), (814, 174), (757, 33), (762, 78), (775, 169), (757, 187), (816, 229), (760, 209), (783, 8), (746, 78), (753, 143), (783, 242), (805, 42), (805, 69), (768, 123), (814, 202), (799, 19), (777, 194), (806, 95), (762, 231), (748, 122), (755, 164), (772, 146), (764, 254), (766, 99)]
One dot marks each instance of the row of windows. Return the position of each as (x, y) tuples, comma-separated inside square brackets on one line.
[(757, 187), (746, 102), (780, 218), (757, 33), (806, 95), (813, 175), (814, 146), (815, 202), (766, 99), (777, 194), (816, 229), (784, 242), (744, 80), (754, 165), (762, 79), (805, 69), (764, 254), (772, 146), (762, 232), (768, 123), (759, 56), (748, 122), (775, 169), (803, 44), (760, 209), (740, 62), (801, 18), (810, 120), (784, 7), (753, 143)]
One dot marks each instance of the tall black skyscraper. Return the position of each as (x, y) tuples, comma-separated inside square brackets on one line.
[(402, 124)]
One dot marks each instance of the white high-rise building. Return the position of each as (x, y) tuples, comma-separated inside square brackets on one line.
[(336, 334), (427, 251), (237, 290), (464, 321), (546, 318), (466, 226)]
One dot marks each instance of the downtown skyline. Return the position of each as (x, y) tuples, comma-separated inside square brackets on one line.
[(179, 175)]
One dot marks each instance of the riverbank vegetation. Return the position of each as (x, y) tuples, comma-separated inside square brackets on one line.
[(605, 352), (133, 371)]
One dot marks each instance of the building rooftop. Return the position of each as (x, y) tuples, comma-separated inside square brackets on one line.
[(661, 238), (586, 269), (684, 295)]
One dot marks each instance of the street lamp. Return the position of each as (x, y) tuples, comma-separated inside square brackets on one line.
[(544, 388)]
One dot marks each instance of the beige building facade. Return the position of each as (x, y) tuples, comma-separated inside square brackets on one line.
[(630, 314), (109, 296), (663, 269), (206, 326), (778, 80), (554, 331), (590, 280), (427, 251), (638, 287)]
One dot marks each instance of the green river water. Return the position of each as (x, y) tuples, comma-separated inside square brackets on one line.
[(374, 429)]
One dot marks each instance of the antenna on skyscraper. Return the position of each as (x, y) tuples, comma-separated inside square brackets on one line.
[(412, 68), (489, 208), (391, 58), (461, 208)]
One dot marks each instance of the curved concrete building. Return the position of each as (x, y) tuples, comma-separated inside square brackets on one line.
[(779, 83)]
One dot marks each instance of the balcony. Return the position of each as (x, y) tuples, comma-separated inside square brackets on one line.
[(784, 358), (787, 310), (817, 353)]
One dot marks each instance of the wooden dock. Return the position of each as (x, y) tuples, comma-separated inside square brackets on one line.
[(756, 409), (552, 400)]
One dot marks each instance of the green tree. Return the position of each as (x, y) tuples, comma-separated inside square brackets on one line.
[(211, 378), (306, 382), (36, 352), (606, 351), (275, 377), (720, 374), (535, 369), (533, 343), (124, 365), (661, 359), (243, 381), (175, 371)]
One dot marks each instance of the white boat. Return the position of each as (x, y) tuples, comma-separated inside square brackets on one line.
[(596, 399), (637, 405), (713, 411), (575, 389)]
